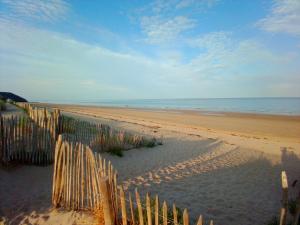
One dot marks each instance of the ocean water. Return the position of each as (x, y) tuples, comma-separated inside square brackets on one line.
[(277, 106)]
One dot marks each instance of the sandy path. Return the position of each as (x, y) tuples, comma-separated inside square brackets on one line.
[(228, 181)]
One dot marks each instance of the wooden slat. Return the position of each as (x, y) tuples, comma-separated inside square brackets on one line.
[(107, 203), (131, 210), (148, 207), (185, 217), (175, 216), (165, 213), (284, 207), (140, 210), (200, 220), (123, 206), (156, 218)]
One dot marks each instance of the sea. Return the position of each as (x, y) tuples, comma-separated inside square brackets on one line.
[(276, 106)]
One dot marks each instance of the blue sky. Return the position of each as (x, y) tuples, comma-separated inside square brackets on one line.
[(59, 50)]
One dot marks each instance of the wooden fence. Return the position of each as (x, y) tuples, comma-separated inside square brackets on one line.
[(150, 211), (99, 137), (83, 180), (22, 140), (44, 118), (77, 175)]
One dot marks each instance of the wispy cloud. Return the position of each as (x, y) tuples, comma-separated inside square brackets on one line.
[(283, 18), (214, 40), (225, 57), (171, 6), (160, 30), (196, 3), (50, 10), (163, 21)]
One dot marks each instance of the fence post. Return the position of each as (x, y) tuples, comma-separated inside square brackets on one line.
[(283, 211), (107, 203), (123, 206), (185, 217), (140, 210)]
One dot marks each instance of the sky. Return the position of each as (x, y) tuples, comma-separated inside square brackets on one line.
[(77, 50)]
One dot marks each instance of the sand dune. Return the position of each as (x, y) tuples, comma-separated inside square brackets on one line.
[(226, 172)]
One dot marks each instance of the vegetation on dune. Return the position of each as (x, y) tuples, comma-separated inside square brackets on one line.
[(103, 138), (116, 150)]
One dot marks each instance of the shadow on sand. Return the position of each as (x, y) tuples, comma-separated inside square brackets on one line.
[(230, 185)]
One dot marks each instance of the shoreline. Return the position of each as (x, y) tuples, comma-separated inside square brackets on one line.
[(221, 121), (264, 133), (178, 110)]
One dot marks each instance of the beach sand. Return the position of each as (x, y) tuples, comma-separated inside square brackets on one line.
[(225, 166)]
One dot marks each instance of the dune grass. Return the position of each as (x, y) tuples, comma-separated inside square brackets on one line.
[(103, 138)]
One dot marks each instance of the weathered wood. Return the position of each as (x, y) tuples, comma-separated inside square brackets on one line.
[(82, 177), (185, 217), (88, 189), (57, 172), (156, 210), (148, 207), (131, 210), (62, 183), (175, 216), (123, 206), (165, 213), (115, 185), (284, 207), (200, 220), (78, 175), (107, 203), (139, 205)]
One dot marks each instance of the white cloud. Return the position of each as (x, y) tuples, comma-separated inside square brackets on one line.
[(214, 40), (171, 6), (50, 10), (284, 18), (225, 58), (160, 30), (195, 3), (164, 21)]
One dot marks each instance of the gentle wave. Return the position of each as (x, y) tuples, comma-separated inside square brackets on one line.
[(278, 106)]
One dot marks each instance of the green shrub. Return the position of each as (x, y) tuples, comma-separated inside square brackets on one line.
[(116, 150), (150, 143)]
